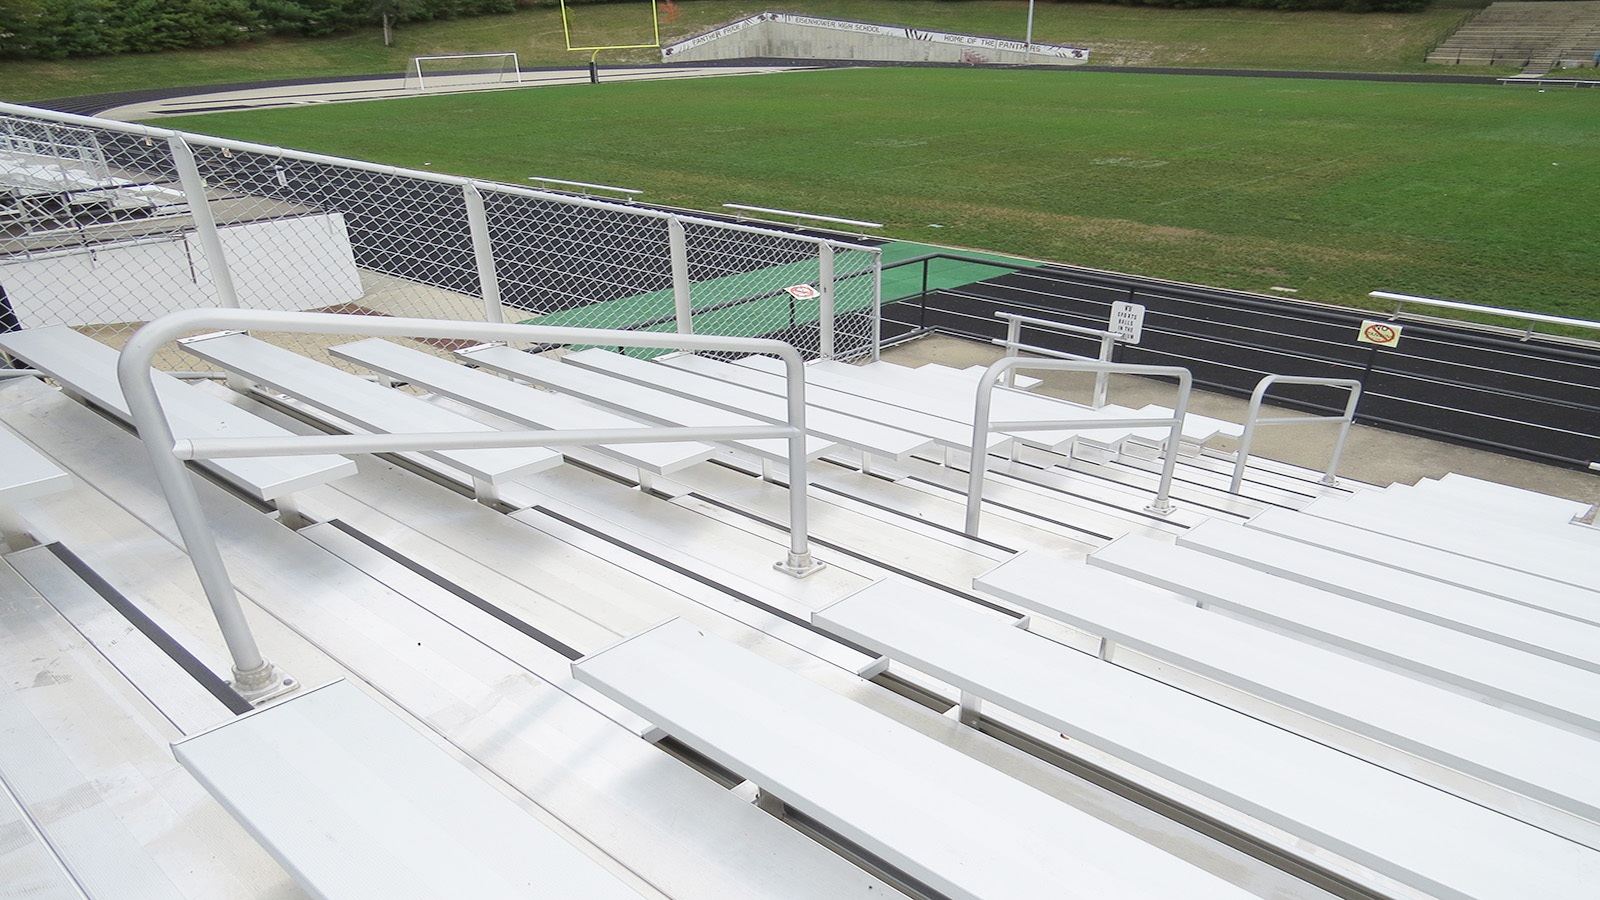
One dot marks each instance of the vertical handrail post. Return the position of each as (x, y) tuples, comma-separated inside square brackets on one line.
[(1253, 421), (825, 305), (978, 463), (1102, 379), (678, 250), (800, 562), (205, 226), (254, 678), (483, 253)]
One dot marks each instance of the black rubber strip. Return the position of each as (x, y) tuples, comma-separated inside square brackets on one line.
[(213, 683), (459, 592)]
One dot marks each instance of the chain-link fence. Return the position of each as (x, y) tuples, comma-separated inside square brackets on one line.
[(99, 233)]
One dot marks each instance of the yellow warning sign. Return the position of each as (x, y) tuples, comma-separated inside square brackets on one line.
[(1384, 334)]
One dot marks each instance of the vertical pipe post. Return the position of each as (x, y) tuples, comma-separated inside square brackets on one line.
[(825, 301), (979, 460), (205, 227), (483, 253), (877, 305), (1108, 344), (253, 676), (678, 249), (800, 562)]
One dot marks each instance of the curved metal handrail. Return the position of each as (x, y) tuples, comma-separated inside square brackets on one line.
[(255, 677), (1253, 420), (982, 426)]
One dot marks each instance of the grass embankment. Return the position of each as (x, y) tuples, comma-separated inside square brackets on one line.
[(1116, 35), (1332, 188)]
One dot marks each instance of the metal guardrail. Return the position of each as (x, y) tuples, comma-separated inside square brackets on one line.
[(1531, 318), (255, 677), (1013, 344), (1253, 420), (982, 425)]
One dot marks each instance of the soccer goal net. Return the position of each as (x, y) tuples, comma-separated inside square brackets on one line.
[(453, 70)]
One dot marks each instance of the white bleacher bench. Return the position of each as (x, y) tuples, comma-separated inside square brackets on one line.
[(1196, 428), (868, 437), (1569, 561), (1502, 497), (1539, 514), (1477, 666), (1516, 754), (1386, 822), (87, 369), (634, 400), (1491, 618), (25, 474), (953, 396), (370, 406), (1526, 588), (766, 373), (519, 403), (967, 831), (357, 805)]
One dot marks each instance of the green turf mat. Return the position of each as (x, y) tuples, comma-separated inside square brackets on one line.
[(906, 281)]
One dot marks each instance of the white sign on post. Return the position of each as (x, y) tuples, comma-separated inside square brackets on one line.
[(1384, 334), (1127, 320)]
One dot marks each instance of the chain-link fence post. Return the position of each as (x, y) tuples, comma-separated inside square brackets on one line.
[(205, 227), (678, 247), (483, 252)]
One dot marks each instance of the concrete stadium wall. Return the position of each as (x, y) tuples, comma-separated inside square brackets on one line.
[(784, 36)]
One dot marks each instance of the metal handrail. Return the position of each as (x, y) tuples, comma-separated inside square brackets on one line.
[(982, 426), (255, 677), (1013, 343), (1253, 420), (1402, 300)]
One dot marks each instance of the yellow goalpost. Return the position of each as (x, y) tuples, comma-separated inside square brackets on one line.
[(655, 31)]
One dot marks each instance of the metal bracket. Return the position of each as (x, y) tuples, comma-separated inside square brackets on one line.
[(260, 685)]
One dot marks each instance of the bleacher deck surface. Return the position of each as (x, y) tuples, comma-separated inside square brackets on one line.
[(575, 672)]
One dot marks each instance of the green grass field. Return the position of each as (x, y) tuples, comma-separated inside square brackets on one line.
[(1485, 194), (1117, 35)]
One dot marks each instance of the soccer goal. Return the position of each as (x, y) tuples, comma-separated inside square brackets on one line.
[(452, 70)]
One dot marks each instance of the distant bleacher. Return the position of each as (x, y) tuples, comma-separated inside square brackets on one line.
[(1534, 34)]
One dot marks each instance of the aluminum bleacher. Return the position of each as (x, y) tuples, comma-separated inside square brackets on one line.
[(507, 681)]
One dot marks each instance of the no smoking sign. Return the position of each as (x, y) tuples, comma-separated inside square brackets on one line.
[(1383, 334)]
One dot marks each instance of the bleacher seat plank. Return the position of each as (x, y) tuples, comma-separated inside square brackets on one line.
[(356, 805), (1424, 837), (1526, 588), (1525, 756), (767, 373), (1511, 676), (954, 398), (964, 829), (1536, 554), (866, 436), (88, 368), (25, 474), (368, 405), (1503, 496), (1195, 426), (632, 399), (1548, 520), (518, 403), (1491, 618)]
